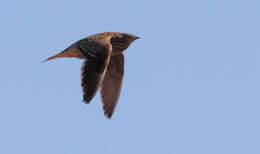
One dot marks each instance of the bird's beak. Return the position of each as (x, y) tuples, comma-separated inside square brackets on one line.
[(136, 38)]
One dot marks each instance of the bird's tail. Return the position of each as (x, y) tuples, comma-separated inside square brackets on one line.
[(69, 52)]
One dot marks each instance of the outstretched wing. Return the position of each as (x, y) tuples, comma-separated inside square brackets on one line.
[(97, 57), (112, 84)]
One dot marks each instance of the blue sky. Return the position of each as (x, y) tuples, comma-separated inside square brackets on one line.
[(191, 82)]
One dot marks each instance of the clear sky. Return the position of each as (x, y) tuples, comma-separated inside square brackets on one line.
[(191, 82)]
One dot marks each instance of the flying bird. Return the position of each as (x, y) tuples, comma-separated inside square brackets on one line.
[(103, 65)]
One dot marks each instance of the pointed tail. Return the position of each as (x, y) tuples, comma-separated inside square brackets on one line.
[(69, 52), (59, 55)]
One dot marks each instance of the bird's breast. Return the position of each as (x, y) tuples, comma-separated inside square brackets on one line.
[(114, 53)]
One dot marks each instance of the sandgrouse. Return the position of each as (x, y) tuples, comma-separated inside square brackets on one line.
[(103, 65)]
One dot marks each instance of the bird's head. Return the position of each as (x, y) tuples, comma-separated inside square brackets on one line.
[(121, 41)]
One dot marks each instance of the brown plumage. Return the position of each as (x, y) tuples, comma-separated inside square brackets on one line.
[(103, 65)]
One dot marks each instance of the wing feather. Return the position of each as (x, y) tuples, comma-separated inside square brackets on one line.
[(112, 84), (93, 68)]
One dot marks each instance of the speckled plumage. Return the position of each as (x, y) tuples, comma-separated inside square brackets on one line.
[(103, 65)]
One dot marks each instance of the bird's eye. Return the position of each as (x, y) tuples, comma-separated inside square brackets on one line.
[(129, 37)]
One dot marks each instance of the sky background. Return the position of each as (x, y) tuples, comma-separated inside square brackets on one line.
[(191, 82)]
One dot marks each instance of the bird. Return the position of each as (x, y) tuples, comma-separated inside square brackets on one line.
[(103, 66)]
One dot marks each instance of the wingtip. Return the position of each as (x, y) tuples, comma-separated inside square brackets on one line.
[(108, 116), (86, 101)]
